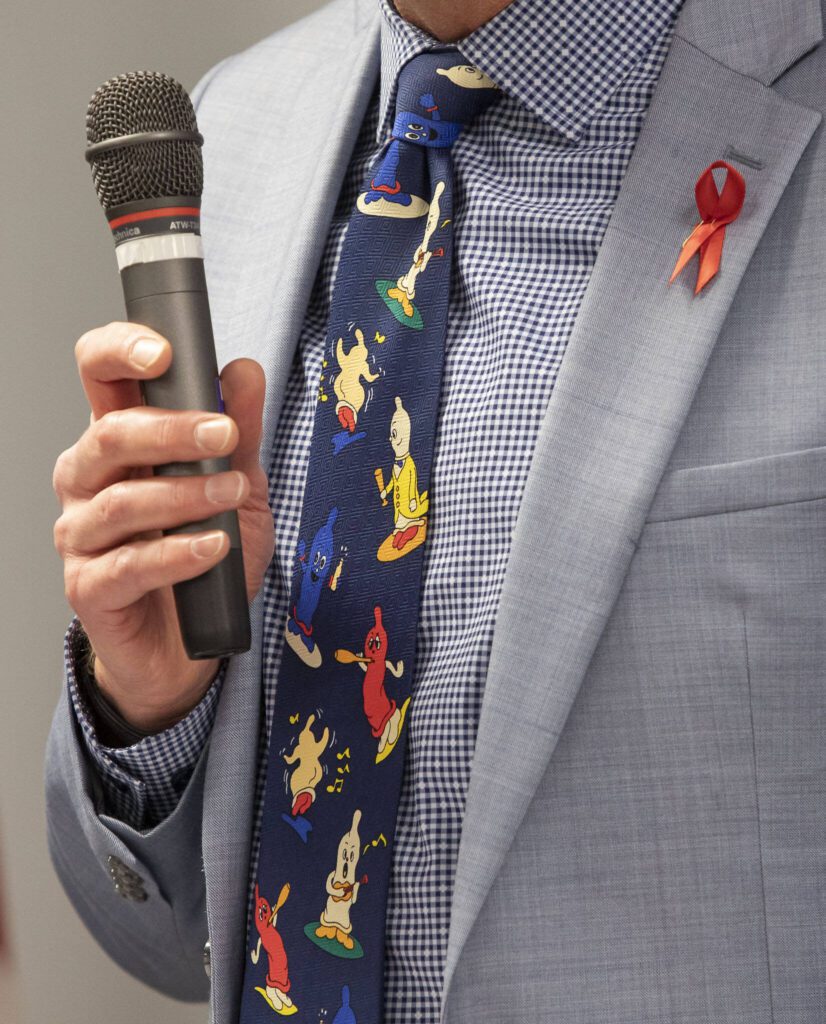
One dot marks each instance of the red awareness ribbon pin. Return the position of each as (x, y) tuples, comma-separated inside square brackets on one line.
[(716, 210)]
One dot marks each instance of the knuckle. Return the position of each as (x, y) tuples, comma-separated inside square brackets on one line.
[(166, 429), (89, 344), (60, 474), (73, 580), (167, 555), (124, 563), (82, 346), (113, 505), (180, 496), (116, 331), (60, 535), (108, 432)]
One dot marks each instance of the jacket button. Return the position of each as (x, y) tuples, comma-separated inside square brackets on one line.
[(207, 959)]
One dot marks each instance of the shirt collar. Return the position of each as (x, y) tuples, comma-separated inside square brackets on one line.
[(562, 59)]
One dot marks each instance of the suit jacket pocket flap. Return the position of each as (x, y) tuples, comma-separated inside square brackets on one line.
[(736, 486)]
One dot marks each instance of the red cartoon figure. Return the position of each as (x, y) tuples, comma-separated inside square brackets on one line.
[(385, 717), (278, 980)]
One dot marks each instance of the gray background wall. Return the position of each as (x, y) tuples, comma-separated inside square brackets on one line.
[(57, 279)]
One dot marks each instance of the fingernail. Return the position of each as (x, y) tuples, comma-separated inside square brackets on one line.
[(224, 488), (144, 352), (208, 545), (213, 434)]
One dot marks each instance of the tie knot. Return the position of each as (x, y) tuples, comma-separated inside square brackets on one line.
[(438, 95)]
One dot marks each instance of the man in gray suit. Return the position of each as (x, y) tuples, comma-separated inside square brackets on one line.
[(641, 834)]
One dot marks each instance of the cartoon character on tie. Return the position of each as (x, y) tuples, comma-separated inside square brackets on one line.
[(345, 1014), (333, 931), (386, 718), (317, 573), (386, 196), (278, 979), (353, 367), (399, 295), (409, 505), (467, 76), (305, 776)]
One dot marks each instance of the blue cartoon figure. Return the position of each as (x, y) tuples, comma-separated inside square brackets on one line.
[(426, 129), (344, 1014), (316, 570), (386, 196)]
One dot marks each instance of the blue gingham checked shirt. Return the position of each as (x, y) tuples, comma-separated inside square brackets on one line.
[(536, 177)]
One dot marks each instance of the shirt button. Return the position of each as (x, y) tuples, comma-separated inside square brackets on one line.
[(207, 959)]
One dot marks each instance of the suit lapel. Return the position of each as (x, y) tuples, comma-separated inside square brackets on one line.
[(633, 364), (267, 209)]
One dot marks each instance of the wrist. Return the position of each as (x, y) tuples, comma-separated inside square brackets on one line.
[(145, 714)]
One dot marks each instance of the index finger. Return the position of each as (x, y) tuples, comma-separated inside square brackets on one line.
[(112, 359)]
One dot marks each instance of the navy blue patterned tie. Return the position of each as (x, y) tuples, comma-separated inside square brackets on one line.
[(342, 705)]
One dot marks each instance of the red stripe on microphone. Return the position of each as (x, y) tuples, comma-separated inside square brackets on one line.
[(164, 211)]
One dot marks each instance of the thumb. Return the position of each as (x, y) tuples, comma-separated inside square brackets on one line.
[(242, 385)]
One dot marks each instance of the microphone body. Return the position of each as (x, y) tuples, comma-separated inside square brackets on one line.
[(158, 248)]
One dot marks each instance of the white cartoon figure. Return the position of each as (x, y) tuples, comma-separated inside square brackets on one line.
[(342, 890), (399, 295), (405, 290), (467, 76)]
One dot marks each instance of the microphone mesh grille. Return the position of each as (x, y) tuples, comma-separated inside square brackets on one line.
[(143, 101)]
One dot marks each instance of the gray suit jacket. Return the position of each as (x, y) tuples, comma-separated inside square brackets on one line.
[(645, 834)]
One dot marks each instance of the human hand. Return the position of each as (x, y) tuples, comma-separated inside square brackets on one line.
[(118, 567)]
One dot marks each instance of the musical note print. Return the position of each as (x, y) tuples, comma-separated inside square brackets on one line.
[(380, 838), (341, 755)]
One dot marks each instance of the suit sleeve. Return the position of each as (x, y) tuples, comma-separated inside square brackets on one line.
[(140, 892), (142, 782), (124, 830)]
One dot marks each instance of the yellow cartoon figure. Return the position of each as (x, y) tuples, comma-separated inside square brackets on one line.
[(467, 76), (353, 365), (333, 931), (305, 776), (409, 505)]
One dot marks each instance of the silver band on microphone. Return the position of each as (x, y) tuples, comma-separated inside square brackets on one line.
[(151, 248)]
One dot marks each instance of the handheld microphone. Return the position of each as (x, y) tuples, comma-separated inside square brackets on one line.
[(144, 148)]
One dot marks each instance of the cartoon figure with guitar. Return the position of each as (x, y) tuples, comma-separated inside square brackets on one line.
[(333, 931)]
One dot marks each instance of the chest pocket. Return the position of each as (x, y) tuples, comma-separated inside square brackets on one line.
[(737, 486)]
